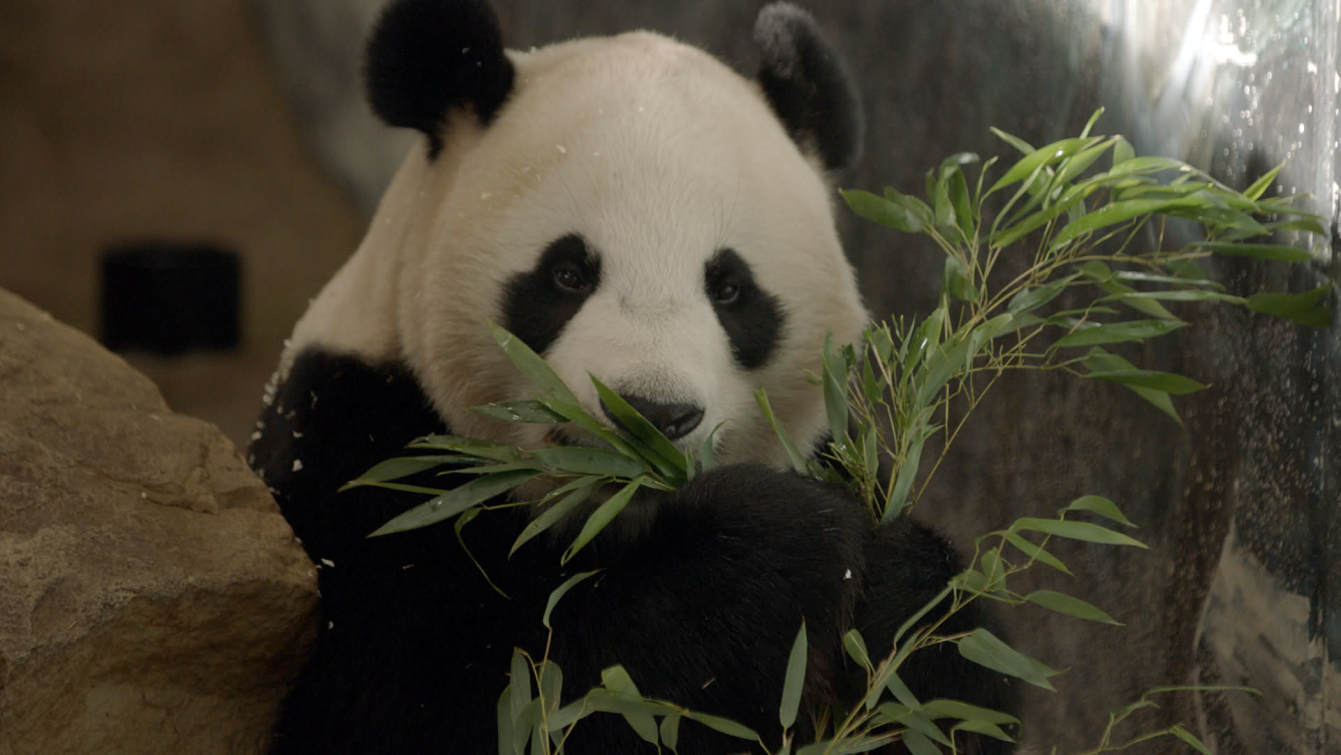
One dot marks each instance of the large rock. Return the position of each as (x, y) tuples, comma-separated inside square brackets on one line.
[(152, 598)]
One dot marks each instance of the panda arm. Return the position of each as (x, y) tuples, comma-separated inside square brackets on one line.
[(704, 609), (907, 565), (331, 419)]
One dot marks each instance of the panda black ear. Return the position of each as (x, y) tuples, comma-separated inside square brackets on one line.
[(807, 85), (426, 58)]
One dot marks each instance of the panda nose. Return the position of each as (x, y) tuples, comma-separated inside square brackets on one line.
[(673, 420)]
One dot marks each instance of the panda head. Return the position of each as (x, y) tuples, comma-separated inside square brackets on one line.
[(627, 205)]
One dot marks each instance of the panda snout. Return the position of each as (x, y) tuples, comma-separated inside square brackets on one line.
[(673, 420)]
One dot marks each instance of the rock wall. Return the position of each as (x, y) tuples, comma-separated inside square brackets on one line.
[(152, 598)]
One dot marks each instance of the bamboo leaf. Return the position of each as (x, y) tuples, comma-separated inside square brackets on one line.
[(1041, 157), (985, 649), (1178, 731), (982, 727), (918, 744), (1117, 212), (602, 516), (455, 501), (520, 411), (1029, 299), (1122, 151), (1309, 308), (888, 213), (532, 365), (561, 590), (1099, 360), (965, 712), (1065, 604), (795, 680), (725, 726), (1167, 382), (1118, 332), (1075, 531), (588, 461), (1278, 252), (1036, 552), (898, 496), (834, 378), (798, 461), (640, 428), (1259, 187), (1014, 141), (855, 645), (469, 446), (394, 469), (573, 494), (1098, 505), (670, 731)]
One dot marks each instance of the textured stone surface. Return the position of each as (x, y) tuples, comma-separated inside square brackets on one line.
[(152, 598)]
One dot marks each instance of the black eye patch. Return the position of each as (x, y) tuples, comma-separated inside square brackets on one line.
[(752, 318), (538, 304)]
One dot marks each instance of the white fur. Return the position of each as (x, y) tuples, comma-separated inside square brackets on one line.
[(658, 155)]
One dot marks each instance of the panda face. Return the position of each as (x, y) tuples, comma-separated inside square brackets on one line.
[(634, 212)]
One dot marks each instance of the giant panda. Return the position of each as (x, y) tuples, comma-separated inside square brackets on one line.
[(633, 209)]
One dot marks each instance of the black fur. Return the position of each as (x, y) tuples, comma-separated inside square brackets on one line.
[(804, 80), (753, 319), (535, 307), (428, 57), (413, 652)]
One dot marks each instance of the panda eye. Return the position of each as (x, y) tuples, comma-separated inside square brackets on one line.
[(726, 292), (570, 277)]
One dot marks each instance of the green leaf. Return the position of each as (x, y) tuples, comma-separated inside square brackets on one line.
[(903, 484), (1259, 187), (618, 681), (532, 365), (507, 744), (574, 493), (798, 461), (549, 679), (1186, 295), (1118, 332), (1099, 360), (455, 501), (1167, 382), (670, 731), (469, 446), (855, 645), (954, 709), (956, 283), (918, 721), (834, 378), (520, 683), (1041, 157), (588, 461), (1013, 141), (1102, 277), (982, 727), (1122, 151), (1118, 212), (1098, 505), (402, 466), (1063, 603), (918, 744), (725, 726), (520, 411), (795, 680), (1036, 552), (640, 428), (562, 590), (1278, 252), (1075, 531), (602, 516), (985, 649), (1309, 308), (889, 213), (1029, 299), (1178, 731), (900, 691)]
